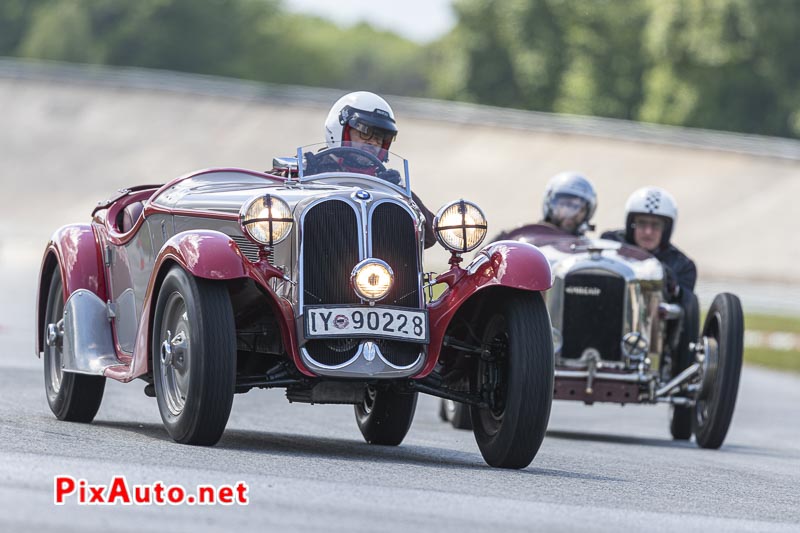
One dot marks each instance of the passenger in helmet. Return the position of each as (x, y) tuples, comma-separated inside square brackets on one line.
[(650, 215)]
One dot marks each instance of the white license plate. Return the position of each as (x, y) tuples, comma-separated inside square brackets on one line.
[(361, 321)]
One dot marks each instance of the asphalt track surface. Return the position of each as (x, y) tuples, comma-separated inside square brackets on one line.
[(601, 468)]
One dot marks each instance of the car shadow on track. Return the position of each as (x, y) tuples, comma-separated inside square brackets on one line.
[(304, 446), (619, 439), (666, 443)]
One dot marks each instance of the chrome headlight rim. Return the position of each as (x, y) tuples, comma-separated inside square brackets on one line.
[(357, 270), (269, 201), (463, 204)]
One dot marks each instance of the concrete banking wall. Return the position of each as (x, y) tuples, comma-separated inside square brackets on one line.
[(72, 135)]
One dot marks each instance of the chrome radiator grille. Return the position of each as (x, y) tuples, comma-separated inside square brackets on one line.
[(594, 308), (394, 240), (330, 251), (330, 248)]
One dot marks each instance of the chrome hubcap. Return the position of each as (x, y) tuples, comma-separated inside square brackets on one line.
[(174, 354)]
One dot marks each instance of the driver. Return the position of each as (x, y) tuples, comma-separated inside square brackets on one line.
[(365, 121), (567, 207), (569, 203), (362, 120), (650, 215)]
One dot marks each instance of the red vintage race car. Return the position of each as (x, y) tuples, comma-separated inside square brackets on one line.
[(307, 278)]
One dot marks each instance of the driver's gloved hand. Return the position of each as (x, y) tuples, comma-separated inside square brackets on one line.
[(319, 163), (390, 175)]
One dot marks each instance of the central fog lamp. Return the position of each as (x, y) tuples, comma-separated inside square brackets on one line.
[(372, 279)]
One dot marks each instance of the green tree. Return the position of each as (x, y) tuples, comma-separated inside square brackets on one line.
[(604, 58), (571, 56), (15, 19), (724, 64), (60, 31), (209, 37), (513, 53)]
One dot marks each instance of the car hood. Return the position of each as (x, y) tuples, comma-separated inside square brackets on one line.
[(226, 191)]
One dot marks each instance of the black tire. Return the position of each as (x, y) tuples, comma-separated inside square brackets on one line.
[(681, 420), (443, 410), (459, 415), (385, 416), (509, 436), (714, 409), (195, 373), (72, 397)]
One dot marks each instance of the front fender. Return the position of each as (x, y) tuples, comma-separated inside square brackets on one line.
[(211, 255), (511, 264), (75, 251), (205, 254)]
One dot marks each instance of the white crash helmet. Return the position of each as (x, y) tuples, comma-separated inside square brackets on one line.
[(651, 201), (570, 184), (362, 111)]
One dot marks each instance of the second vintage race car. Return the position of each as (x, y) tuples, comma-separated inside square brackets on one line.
[(617, 340), (308, 278)]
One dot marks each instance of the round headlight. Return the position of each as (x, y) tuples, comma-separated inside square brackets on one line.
[(266, 219), (460, 226), (372, 279)]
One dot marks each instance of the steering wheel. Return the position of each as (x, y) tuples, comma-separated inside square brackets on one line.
[(342, 158)]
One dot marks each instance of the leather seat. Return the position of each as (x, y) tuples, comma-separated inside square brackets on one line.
[(130, 215)]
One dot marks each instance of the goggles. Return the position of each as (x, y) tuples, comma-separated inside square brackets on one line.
[(367, 132), (567, 206)]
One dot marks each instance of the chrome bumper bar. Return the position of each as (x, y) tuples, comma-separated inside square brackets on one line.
[(584, 374), (663, 394)]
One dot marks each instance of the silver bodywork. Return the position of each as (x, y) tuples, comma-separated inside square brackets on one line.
[(88, 346), (643, 280), (199, 201)]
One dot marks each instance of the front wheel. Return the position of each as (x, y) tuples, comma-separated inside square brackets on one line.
[(724, 331), (72, 397), (194, 357), (385, 416), (517, 378)]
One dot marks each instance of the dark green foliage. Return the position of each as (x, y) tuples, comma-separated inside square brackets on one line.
[(727, 64), (719, 64)]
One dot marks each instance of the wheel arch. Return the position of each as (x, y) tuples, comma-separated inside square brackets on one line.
[(49, 264), (227, 265), (75, 251), (472, 310)]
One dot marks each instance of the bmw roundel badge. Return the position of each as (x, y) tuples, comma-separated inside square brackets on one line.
[(362, 195)]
